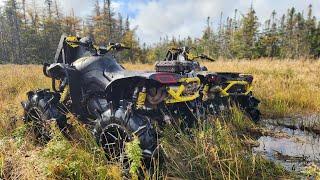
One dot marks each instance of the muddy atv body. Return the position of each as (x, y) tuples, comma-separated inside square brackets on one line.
[(116, 104), (219, 90)]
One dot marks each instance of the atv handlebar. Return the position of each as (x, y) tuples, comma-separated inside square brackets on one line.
[(117, 47), (203, 56), (185, 51), (102, 50)]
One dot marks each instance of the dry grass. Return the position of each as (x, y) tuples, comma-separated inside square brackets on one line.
[(285, 88), (216, 152), (15, 81)]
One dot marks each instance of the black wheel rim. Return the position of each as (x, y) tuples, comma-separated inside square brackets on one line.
[(113, 139), (40, 127)]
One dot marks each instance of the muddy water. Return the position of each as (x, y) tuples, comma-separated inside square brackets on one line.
[(289, 145)]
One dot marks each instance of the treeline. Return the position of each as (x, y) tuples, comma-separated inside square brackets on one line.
[(292, 35), (30, 35)]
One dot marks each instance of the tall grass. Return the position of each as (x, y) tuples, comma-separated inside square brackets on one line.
[(213, 150), (15, 81), (80, 158), (76, 158)]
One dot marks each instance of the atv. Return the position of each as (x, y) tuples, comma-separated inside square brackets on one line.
[(117, 105), (218, 90)]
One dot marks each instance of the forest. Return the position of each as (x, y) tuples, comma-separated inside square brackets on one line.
[(30, 35)]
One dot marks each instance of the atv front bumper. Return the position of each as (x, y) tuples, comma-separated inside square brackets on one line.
[(236, 88), (188, 90)]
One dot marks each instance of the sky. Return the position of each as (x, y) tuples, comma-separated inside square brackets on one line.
[(182, 18)]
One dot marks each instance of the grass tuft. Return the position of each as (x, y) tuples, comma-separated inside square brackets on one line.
[(215, 152), (134, 153), (66, 159)]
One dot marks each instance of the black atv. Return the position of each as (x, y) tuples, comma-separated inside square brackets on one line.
[(219, 90), (116, 104)]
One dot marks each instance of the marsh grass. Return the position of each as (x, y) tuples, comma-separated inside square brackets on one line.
[(213, 150), (15, 81), (60, 158), (64, 159)]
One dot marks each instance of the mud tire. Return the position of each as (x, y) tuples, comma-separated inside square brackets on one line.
[(40, 109), (136, 125), (253, 114)]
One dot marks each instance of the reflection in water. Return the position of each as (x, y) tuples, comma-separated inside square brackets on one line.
[(294, 151)]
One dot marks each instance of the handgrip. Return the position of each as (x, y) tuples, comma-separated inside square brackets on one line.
[(203, 56), (44, 69)]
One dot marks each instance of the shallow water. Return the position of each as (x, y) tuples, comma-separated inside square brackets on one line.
[(294, 149)]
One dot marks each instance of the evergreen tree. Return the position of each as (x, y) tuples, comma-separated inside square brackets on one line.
[(249, 32)]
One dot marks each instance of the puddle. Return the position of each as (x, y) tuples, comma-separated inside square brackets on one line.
[(294, 149)]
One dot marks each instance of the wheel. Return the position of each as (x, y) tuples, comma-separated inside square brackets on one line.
[(249, 105), (217, 106), (40, 109), (113, 131), (254, 114)]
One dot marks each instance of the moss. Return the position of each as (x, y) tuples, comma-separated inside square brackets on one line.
[(312, 171)]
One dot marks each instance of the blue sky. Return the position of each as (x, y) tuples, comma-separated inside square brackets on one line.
[(159, 18)]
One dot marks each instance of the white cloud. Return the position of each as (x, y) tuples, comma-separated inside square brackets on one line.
[(80, 7), (184, 18), (85, 8), (158, 18)]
